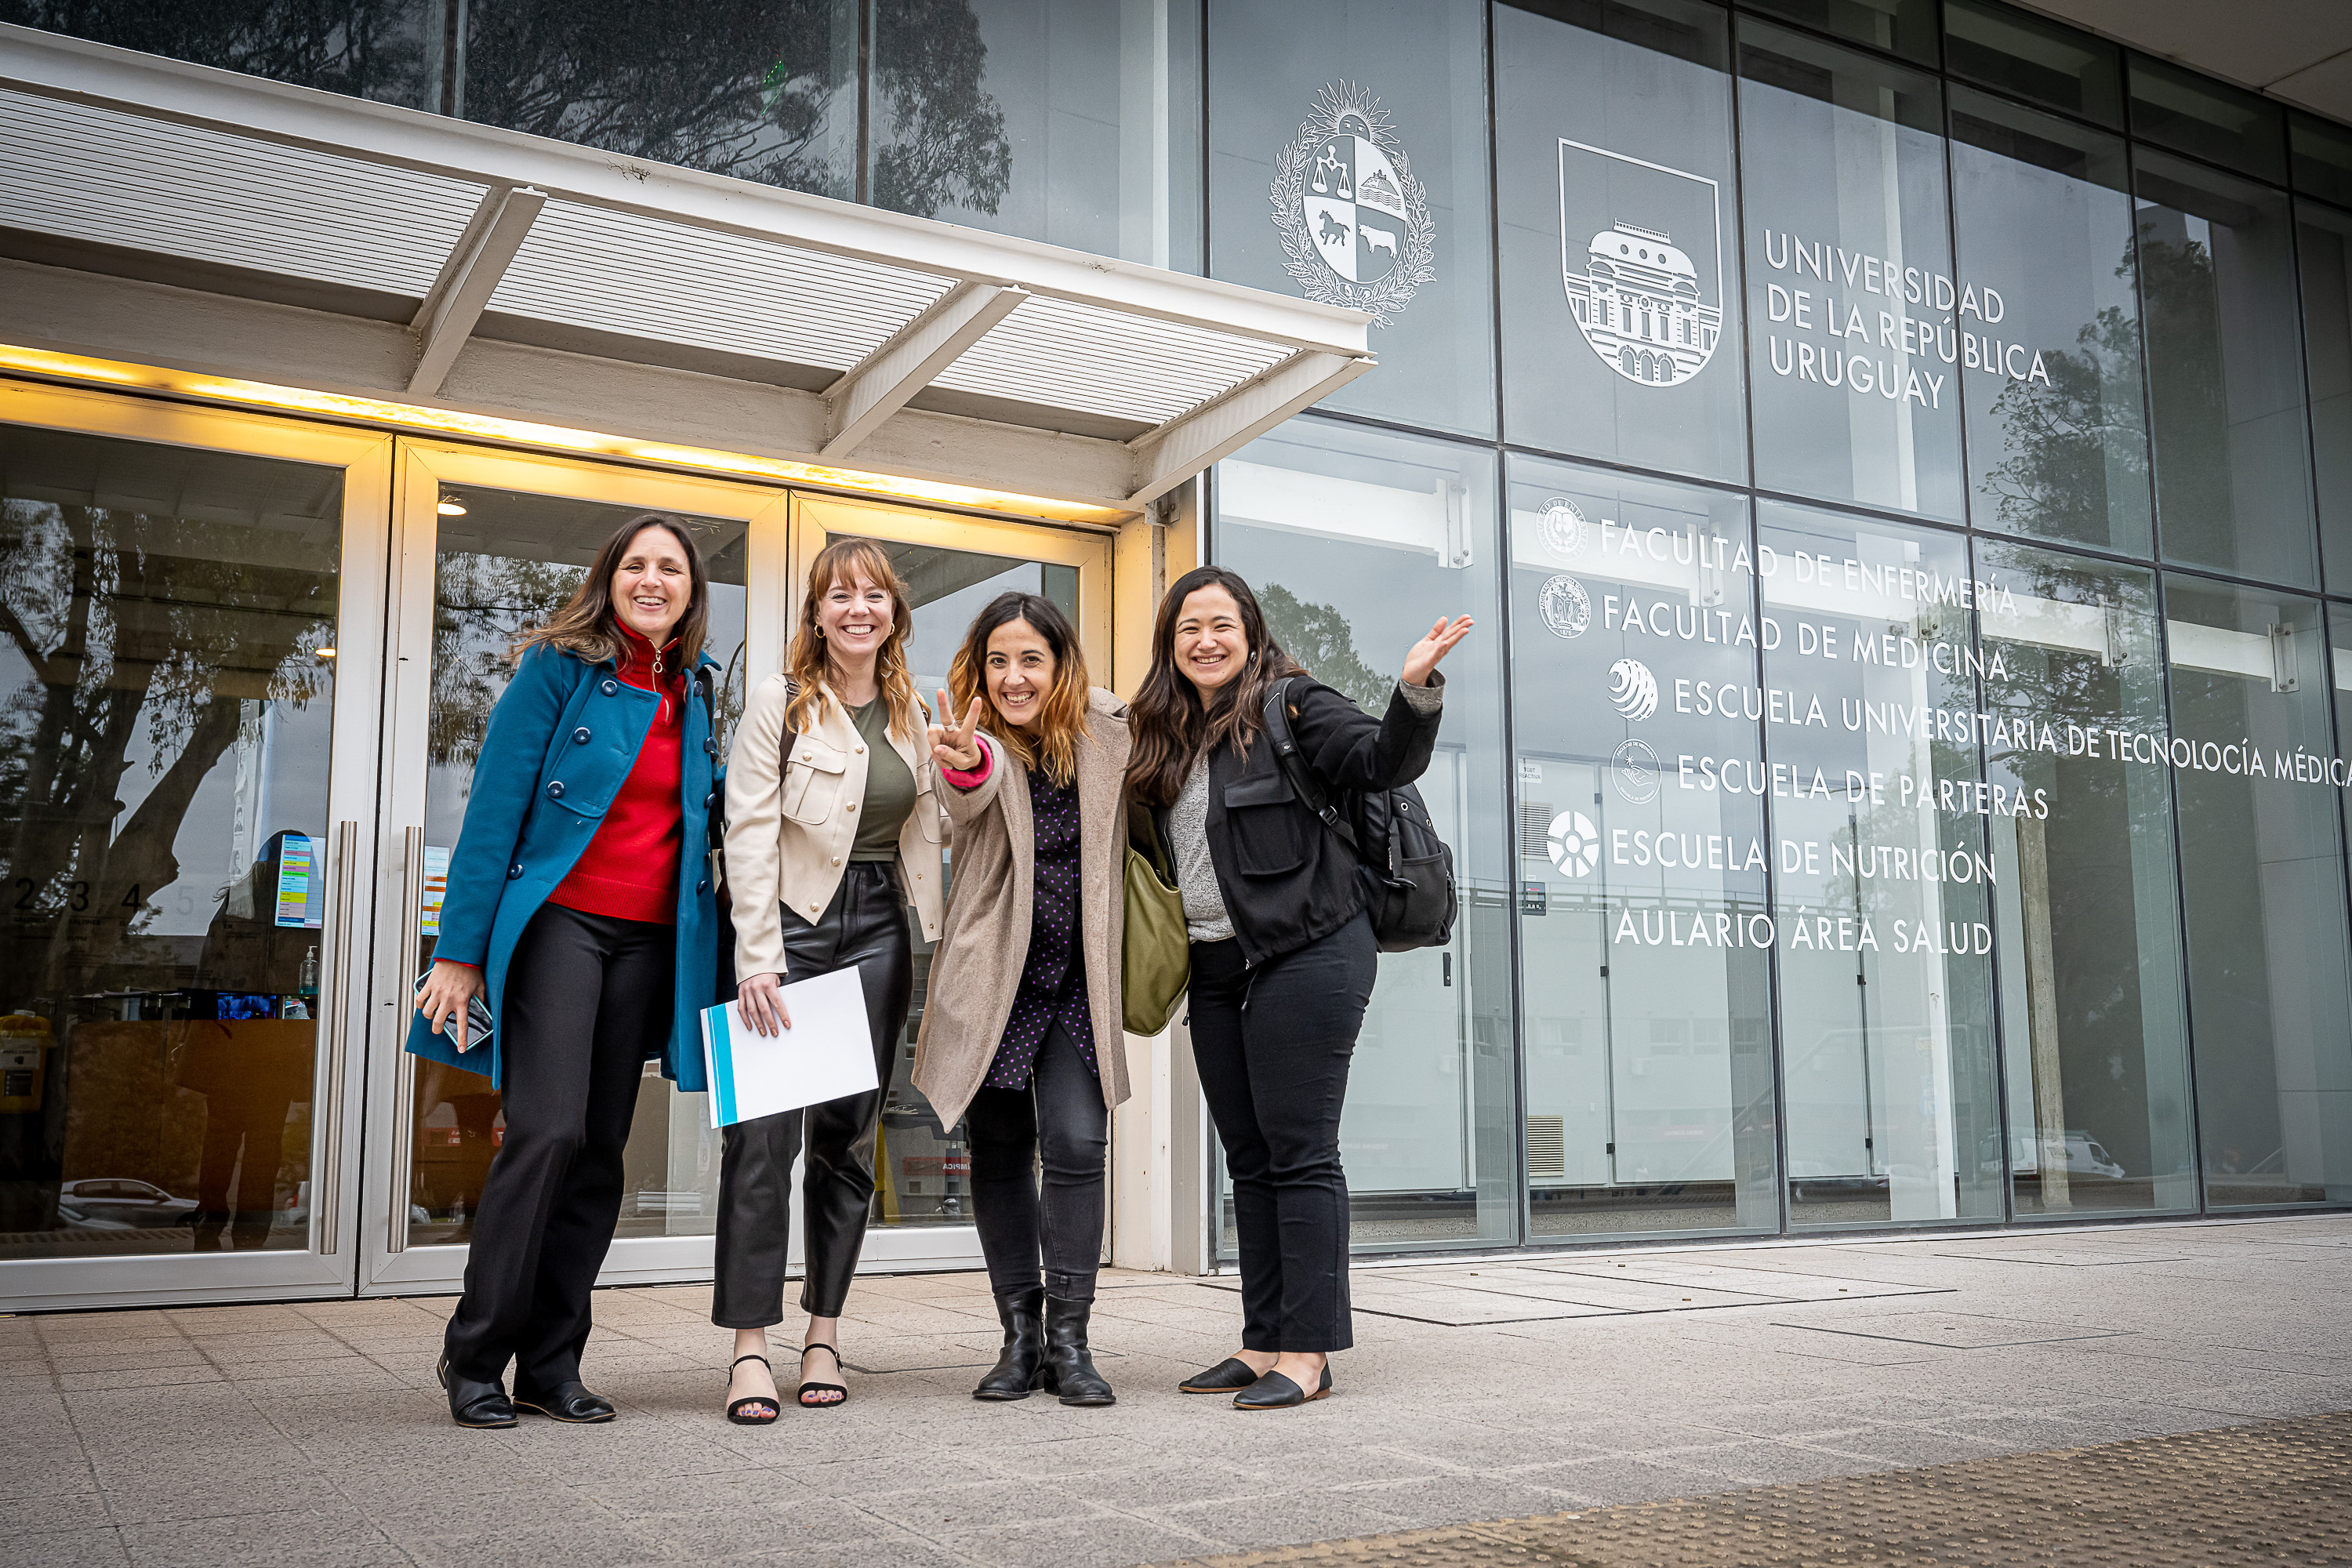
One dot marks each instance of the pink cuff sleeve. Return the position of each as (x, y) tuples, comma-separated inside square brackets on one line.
[(969, 781)]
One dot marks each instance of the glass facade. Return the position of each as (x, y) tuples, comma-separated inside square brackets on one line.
[(1899, 452)]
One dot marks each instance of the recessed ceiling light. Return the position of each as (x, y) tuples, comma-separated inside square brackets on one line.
[(324, 652), (451, 506)]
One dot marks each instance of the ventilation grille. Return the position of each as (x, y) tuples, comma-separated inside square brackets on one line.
[(1547, 1146), (1534, 822)]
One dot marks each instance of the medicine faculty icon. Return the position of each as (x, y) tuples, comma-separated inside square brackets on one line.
[(1633, 689), (1573, 844), (1355, 224), (1566, 607), (1652, 308)]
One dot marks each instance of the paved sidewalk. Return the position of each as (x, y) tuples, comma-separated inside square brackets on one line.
[(313, 1434)]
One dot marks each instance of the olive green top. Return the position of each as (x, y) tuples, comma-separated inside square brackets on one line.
[(890, 787)]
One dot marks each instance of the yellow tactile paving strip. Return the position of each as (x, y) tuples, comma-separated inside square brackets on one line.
[(2279, 1492)]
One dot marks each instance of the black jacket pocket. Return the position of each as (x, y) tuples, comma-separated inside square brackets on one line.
[(1270, 831)]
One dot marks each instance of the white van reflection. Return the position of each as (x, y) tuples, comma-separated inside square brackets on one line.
[(120, 1203), (2084, 1155)]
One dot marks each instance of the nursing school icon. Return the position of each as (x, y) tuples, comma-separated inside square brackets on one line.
[(1573, 844), (1636, 772), (1632, 690), (1355, 224), (1566, 609), (1563, 527), (1641, 254)]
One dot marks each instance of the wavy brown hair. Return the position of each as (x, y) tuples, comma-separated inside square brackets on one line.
[(1170, 726), (1061, 722), (810, 666), (588, 628)]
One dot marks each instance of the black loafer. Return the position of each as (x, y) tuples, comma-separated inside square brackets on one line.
[(1276, 1392), (472, 1401), (1228, 1376), (570, 1402)]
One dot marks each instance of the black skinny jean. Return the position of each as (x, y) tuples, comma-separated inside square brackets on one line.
[(588, 998), (865, 928), (1273, 1046), (1059, 1126)]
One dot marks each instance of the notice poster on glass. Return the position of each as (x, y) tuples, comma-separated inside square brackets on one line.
[(436, 888), (301, 901)]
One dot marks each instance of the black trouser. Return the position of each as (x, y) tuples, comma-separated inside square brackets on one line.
[(588, 998), (1059, 1124), (864, 928), (1273, 1046)]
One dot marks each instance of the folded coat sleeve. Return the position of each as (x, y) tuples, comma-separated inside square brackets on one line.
[(505, 782), (754, 819), (1350, 749)]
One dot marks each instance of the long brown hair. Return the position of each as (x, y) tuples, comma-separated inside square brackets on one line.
[(587, 625), (1061, 722), (844, 560), (1171, 726)]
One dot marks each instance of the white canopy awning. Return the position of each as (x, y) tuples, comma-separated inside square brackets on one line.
[(372, 251)]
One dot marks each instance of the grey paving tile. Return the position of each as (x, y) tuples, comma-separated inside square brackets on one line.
[(65, 1475), (931, 1510), (260, 1541), (1202, 1479), (536, 1546), (1281, 1518), (77, 1510), (1101, 1541), (100, 1548), (240, 1490)]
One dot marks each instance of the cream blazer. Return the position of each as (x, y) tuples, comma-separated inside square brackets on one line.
[(788, 832)]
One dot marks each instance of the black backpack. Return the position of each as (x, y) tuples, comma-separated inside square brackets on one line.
[(1408, 868)]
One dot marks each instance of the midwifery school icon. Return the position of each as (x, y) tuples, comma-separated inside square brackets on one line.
[(1642, 259)]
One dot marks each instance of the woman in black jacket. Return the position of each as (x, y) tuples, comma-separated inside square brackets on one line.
[(1282, 953)]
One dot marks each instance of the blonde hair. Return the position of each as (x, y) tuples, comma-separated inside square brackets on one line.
[(809, 665), (1062, 717)]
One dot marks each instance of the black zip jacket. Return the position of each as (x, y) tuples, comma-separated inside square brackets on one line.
[(1286, 878)]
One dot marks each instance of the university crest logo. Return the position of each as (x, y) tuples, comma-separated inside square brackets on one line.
[(1355, 224), (1641, 254)]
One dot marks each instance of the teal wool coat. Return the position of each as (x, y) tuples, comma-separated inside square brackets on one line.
[(559, 745)]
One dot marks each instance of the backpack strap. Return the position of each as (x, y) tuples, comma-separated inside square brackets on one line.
[(1303, 781)]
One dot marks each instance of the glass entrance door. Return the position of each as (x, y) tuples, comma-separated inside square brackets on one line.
[(189, 677), (487, 545), (952, 567)]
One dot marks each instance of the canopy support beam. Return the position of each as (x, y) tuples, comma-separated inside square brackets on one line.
[(870, 392), (467, 279), (1168, 455)]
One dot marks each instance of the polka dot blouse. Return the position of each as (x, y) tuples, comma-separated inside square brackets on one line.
[(1053, 979)]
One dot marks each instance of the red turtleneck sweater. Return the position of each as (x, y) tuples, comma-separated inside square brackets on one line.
[(629, 869)]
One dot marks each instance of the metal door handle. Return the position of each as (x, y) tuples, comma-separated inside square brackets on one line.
[(403, 1076), (327, 1107)]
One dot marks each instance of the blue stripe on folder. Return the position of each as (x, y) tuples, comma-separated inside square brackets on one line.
[(723, 1066)]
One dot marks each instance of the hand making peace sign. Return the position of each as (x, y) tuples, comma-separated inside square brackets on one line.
[(957, 746)]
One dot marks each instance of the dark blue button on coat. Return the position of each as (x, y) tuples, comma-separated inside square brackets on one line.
[(559, 745)]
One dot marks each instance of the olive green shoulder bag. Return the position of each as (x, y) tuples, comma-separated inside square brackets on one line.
[(1155, 961)]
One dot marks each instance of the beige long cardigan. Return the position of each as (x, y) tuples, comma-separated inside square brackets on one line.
[(976, 969)]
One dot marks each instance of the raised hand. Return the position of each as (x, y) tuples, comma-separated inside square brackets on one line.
[(1423, 657), (957, 746)]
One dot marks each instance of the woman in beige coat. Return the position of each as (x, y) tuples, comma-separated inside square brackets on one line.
[(1021, 1030)]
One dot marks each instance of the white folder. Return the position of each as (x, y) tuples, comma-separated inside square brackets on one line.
[(826, 1054)]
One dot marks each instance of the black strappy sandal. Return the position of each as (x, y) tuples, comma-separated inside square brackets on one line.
[(735, 1410), (808, 1387)]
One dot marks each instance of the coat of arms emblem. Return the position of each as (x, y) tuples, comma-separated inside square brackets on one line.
[(1642, 259), (1355, 224)]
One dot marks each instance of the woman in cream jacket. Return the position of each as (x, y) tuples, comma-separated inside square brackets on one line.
[(833, 826)]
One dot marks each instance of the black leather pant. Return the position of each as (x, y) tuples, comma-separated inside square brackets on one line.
[(588, 998), (864, 928), (1061, 1117)]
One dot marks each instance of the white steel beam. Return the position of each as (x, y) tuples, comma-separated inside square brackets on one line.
[(1168, 455), (467, 279), (875, 389), (52, 66)]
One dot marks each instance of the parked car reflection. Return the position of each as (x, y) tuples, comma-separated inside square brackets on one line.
[(107, 1203), (2084, 1155)]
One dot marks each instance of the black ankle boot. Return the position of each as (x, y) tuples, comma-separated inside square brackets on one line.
[(1021, 1364), (1069, 1370)]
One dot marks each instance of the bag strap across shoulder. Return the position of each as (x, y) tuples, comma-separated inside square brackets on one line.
[(1303, 781)]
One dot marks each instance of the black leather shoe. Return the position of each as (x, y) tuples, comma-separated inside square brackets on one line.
[(474, 1402), (1230, 1375), (1276, 1392), (570, 1402), (1021, 1364), (1069, 1369)]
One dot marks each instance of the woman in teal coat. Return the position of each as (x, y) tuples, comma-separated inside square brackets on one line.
[(579, 901)]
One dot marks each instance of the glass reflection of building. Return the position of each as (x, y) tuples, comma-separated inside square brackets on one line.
[(2120, 583)]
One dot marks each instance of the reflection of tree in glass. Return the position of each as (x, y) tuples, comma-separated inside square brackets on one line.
[(2187, 391), (368, 48), (120, 617), (1319, 637), (947, 141), (2073, 443), (481, 605)]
